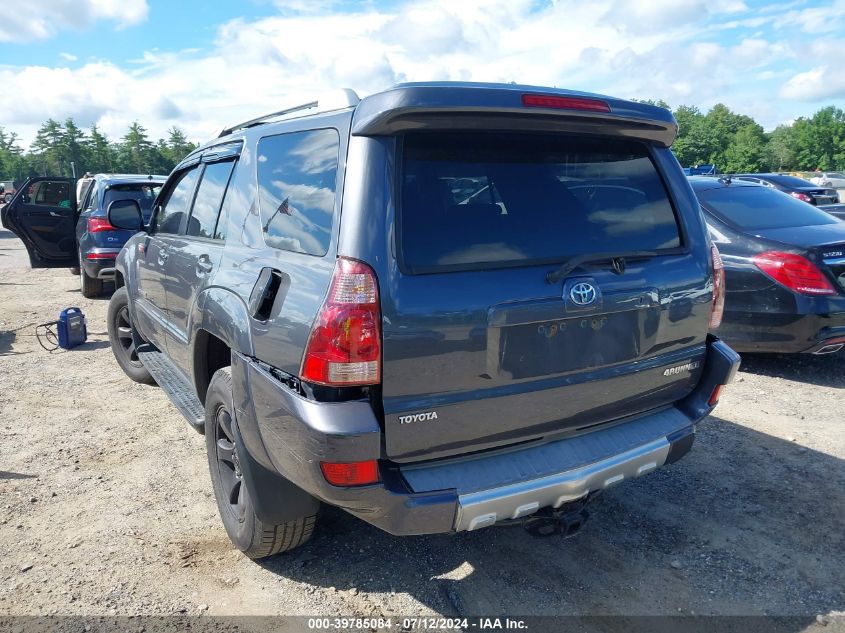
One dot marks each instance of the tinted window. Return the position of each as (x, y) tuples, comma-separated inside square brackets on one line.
[(221, 229), (789, 181), (297, 176), (760, 208), (143, 193), (50, 194), (209, 197), (175, 209), (482, 199)]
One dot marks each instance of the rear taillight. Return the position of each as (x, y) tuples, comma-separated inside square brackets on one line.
[(801, 196), (718, 307), (564, 103), (344, 348), (715, 395), (795, 272), (95, 225), (350, 473), (101, 256)]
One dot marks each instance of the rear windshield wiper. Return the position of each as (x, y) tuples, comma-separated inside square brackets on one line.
[(617, 259)]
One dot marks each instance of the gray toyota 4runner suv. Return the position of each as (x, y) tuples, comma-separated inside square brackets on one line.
[(441, 307)]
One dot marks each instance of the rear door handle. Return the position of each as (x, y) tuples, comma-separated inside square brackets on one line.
[(204, 265), (56, 215), (162, 255)]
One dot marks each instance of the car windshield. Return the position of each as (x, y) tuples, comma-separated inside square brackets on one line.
[(144, 193), (485, 200), (754, 208), (788, 181)]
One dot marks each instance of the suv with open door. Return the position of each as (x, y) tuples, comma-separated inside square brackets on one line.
[(43, 213), (442, 307)]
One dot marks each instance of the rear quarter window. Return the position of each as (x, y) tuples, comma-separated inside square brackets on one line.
[(297, 179), (482, 200), (753, 208)]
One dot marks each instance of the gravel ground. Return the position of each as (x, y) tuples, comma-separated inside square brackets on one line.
[(106, 507)]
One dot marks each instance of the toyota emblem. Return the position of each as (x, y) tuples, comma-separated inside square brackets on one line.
[(582, 294)]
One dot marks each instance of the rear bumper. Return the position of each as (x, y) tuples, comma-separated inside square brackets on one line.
[(103, 266), (785, 333), (292, 435)]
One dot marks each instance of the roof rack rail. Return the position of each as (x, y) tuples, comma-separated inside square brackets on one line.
[(326, 102)]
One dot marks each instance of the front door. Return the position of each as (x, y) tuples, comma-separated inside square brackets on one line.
[(169, 217), (43, 214)]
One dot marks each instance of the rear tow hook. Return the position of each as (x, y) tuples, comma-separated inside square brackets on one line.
[(565, 521)]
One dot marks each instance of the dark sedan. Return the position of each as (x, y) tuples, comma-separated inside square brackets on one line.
[(836, 210), (800, 189), (784, 264)]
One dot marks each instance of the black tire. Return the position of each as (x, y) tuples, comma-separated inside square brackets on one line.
[(90, 287), (74, 270), (122, 339), (247, 532)]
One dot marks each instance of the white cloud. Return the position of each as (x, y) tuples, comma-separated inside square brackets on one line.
[(28, 20), (68, 57), (822, 82), (680, 51)]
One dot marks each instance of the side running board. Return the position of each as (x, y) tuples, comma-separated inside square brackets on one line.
[(177, 388)]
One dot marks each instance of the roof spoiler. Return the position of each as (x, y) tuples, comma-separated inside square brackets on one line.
[(504, 106)]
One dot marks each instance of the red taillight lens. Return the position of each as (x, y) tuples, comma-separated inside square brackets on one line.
[(96, 225), (718, 307), (344, 348), (800, 196), (795, 272), (101, 256), (564, 103), (714, 397), (350, 474)]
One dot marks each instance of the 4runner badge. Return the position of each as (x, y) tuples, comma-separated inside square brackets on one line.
[(417, 417), (674, 371)]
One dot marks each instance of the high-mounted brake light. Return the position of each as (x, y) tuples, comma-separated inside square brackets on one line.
[(95, 225), (795, 272), (350, 474), (564, 103), (718, 307), (344, 348)]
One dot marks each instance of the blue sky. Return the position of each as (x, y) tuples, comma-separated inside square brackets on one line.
[(200, 65)]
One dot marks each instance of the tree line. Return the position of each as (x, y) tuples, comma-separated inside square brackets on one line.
[(733, 142), (737, 143), (59, 149)]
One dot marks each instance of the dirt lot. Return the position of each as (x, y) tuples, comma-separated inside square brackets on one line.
[(106, 507)]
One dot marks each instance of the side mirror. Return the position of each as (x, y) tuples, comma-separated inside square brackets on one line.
[(126, 214)]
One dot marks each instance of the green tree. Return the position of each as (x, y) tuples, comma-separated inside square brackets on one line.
[(48, 150), (137, 153), (176, 147), (780, 149), (746, 150), (73, 140), (101, 155)]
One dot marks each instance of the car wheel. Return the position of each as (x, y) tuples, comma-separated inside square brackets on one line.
[(122, 338), (7, 198), (74, 270), (247, 532), (90, 286)]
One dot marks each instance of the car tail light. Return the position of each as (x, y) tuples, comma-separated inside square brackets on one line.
[(350, 474), (801, 196), (714, 397), (344, 348), (564, 103), (95, 225), (100, 255), (718, 307), (795, 272)]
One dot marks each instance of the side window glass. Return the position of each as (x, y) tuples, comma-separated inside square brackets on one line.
[(91, 197), (297, 176), (212, 187), (174, 209), (221, 229), (46, 193)]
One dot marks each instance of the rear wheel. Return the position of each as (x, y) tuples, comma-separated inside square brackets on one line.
[(122, 339), (247, 532), (91, 287)]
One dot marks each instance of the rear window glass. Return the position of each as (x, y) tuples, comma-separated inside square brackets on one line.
[(761, 208), (297, 176), (789, 181), (486, 200), (144, 193)]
